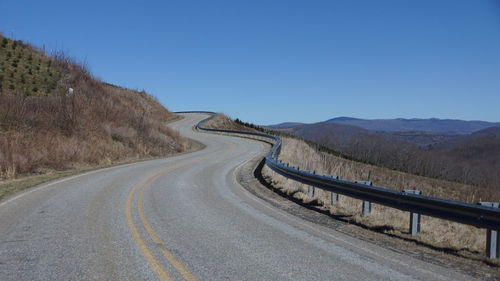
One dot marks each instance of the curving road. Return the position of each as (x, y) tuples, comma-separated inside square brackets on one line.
[(181, 218)]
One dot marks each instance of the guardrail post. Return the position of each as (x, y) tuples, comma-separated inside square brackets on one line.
[(367, 208), (310, 191), (414, 217), (367, 205), (492, 236), (334, 196)]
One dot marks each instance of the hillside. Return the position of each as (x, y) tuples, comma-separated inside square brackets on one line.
[(328, 131), (491, 132), (468, 159), (26, 71), (44, 126)]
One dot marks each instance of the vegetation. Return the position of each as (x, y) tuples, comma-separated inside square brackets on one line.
[(222, 121), (248, 125), (44, 126), (467, 159), (473, 163)]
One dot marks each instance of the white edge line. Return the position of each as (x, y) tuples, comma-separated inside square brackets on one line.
[(46, 185)]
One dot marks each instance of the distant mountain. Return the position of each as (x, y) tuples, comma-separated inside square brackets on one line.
[(422, 139), (432, 125), (488, 132), (343, 132), (285, 125), (433, 132), (343, 119), (324, 131), (461, 140)]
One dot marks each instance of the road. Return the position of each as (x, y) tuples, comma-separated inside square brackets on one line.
[(181, 218)]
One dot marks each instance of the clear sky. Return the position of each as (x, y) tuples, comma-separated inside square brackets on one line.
[(274, 61)]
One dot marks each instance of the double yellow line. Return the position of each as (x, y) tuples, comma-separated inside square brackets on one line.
[(153, 262), (150, 258)]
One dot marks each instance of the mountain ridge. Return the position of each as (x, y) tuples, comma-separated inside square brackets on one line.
[(399, 125), (434, 125)]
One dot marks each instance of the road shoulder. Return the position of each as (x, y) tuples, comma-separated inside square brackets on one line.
[(250, 177)]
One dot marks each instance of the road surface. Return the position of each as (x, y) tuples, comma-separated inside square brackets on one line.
[(181, 218)]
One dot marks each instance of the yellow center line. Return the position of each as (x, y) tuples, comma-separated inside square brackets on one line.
[(149, 256), (154, 236)]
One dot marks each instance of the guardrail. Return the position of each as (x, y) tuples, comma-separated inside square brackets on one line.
[(484, 215)]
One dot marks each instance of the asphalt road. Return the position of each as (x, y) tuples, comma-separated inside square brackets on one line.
[(181, 218)]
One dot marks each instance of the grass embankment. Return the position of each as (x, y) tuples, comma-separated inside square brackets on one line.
[(459, 239), (447, 236), (46, 128)]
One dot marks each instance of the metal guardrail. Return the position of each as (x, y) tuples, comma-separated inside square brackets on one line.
[(480, 216)]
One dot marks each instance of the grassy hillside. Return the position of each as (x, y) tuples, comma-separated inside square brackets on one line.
[(44, 127)]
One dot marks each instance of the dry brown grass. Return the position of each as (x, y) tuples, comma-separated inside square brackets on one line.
[(98, 124), (463, 239), (298, 153)]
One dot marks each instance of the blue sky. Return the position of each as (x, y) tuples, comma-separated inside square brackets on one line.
[(274, 61)]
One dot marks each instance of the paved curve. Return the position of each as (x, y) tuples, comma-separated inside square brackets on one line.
[(181, 218)]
